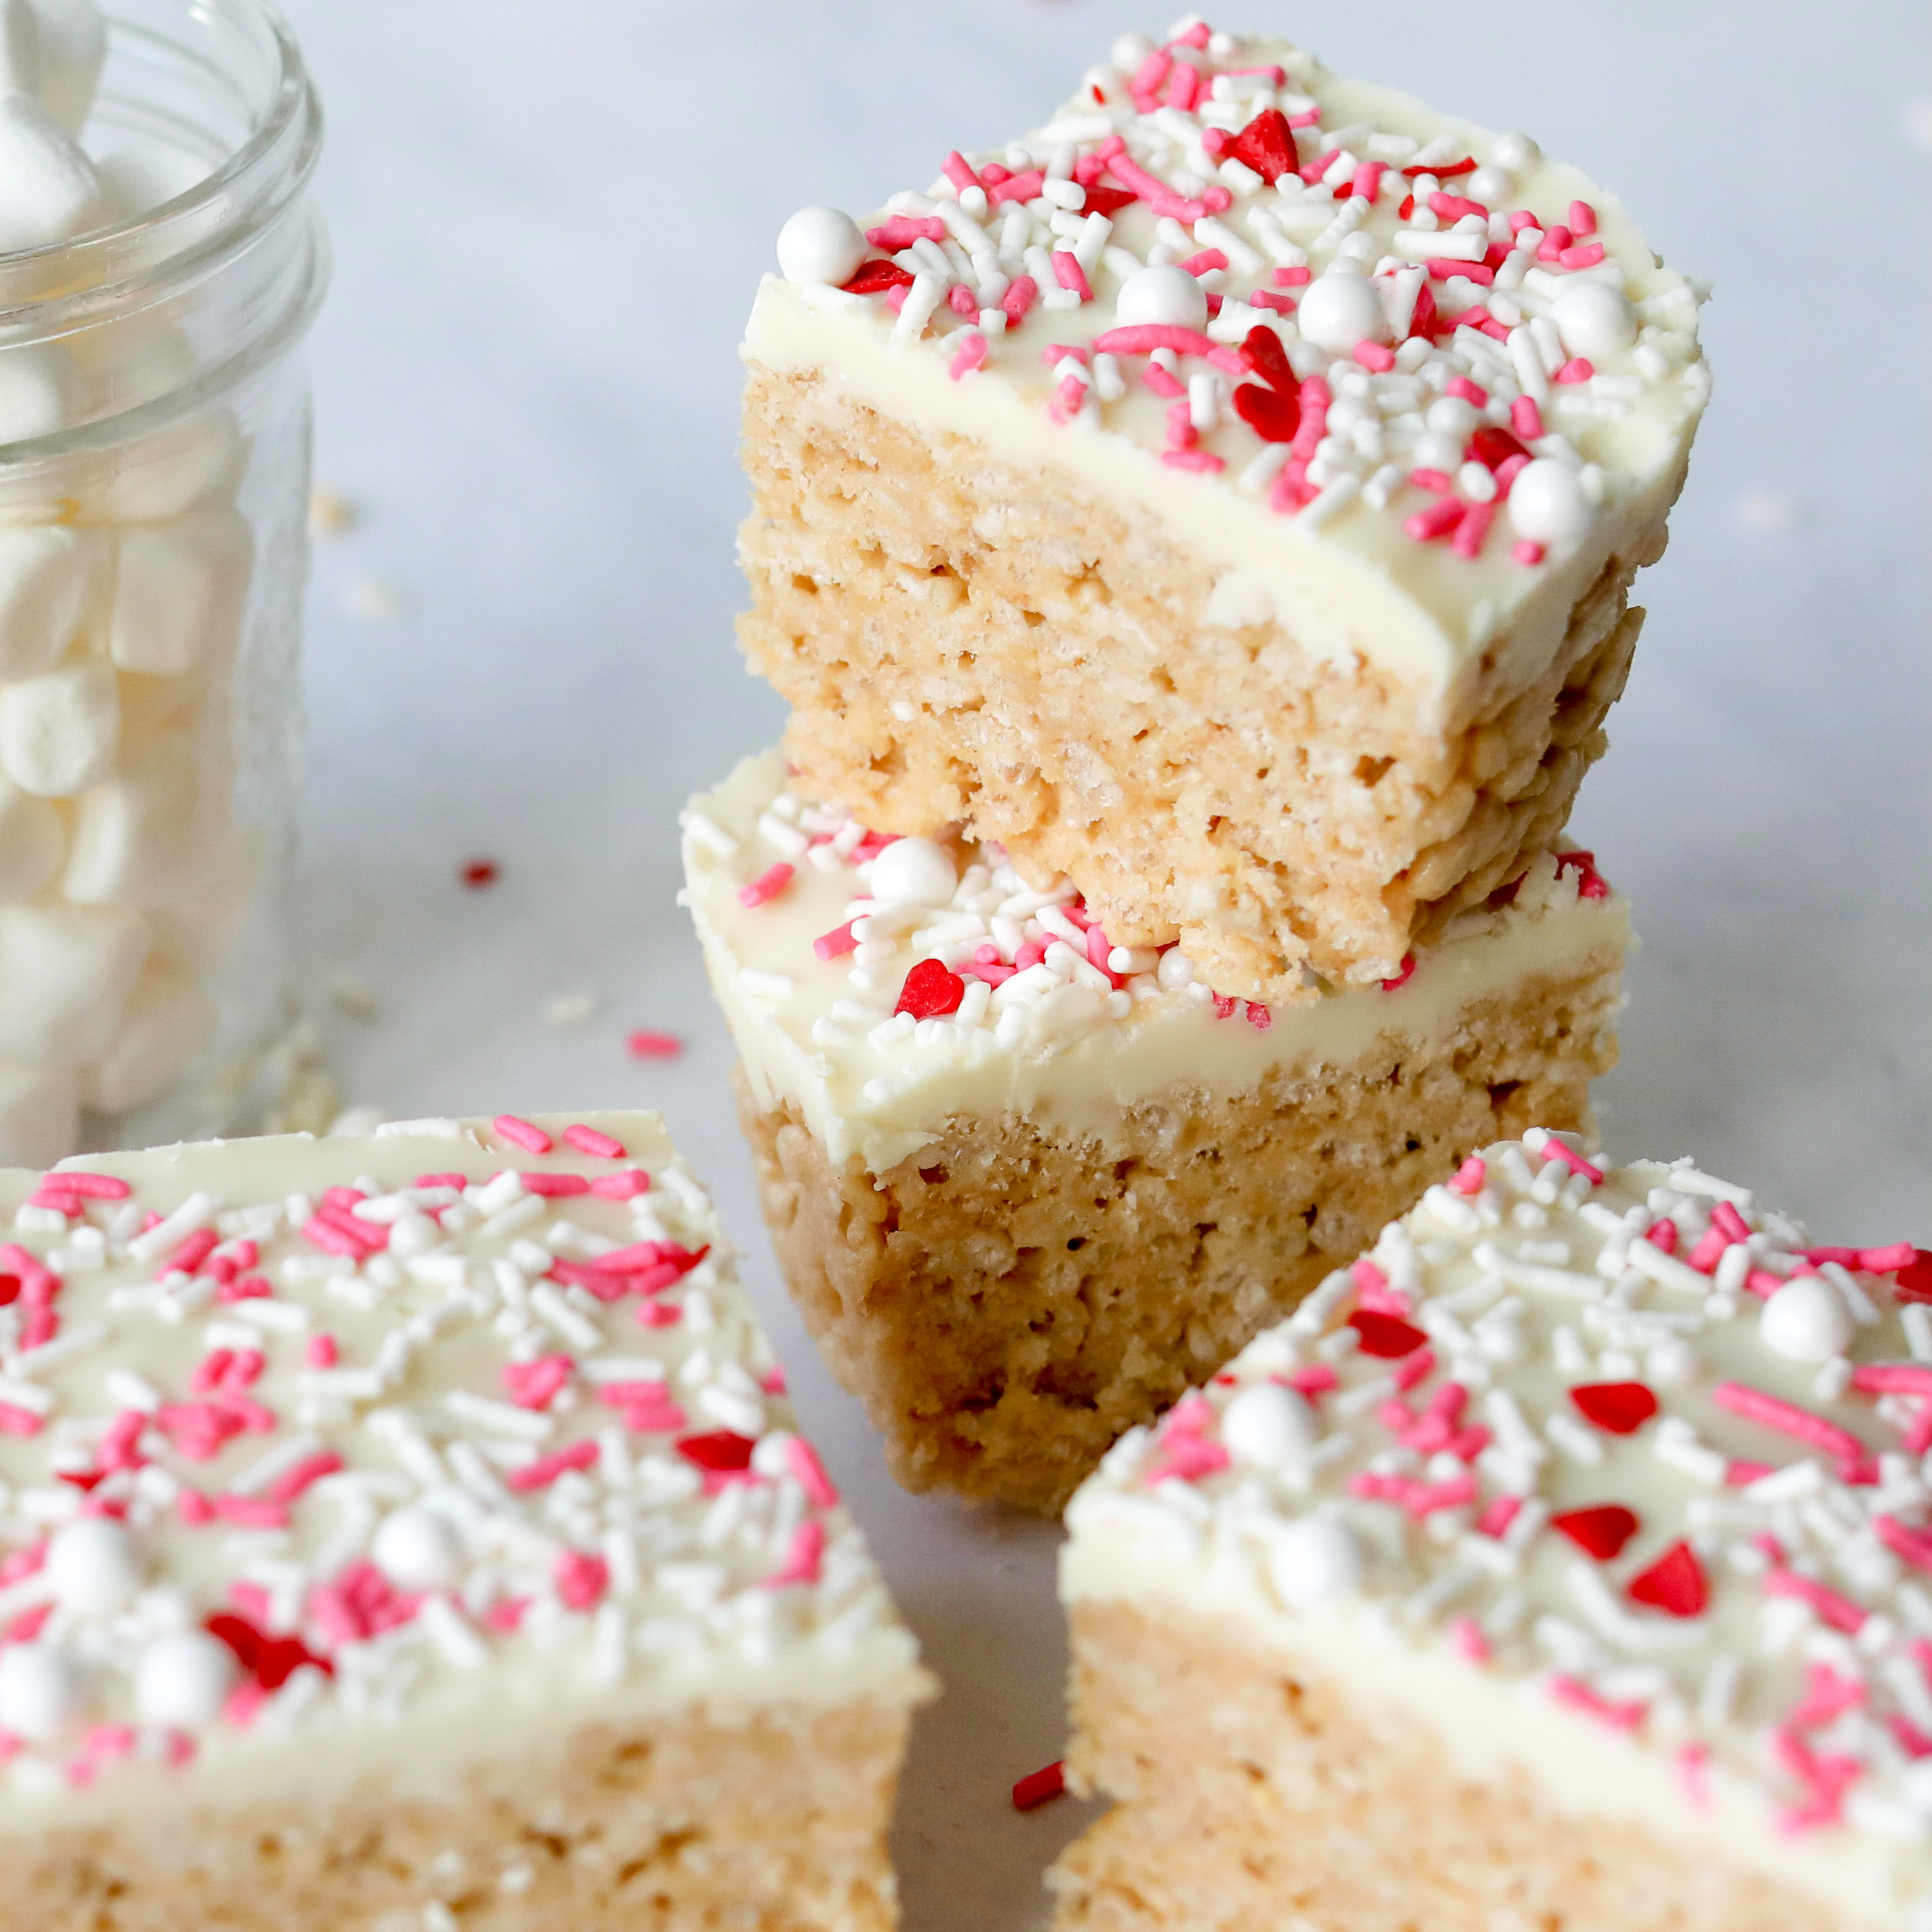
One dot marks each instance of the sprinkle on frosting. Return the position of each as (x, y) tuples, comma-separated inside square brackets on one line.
[(1344, 319), (1616, 1430)]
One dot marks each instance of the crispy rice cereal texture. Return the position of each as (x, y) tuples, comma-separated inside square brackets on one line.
[(1006, 1304), (966, 644), (1253, 1796), (773, 1818)]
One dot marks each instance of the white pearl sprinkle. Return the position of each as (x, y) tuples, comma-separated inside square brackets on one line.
[(1167, 297), (42, 1692), (1313, 1559), (913, 871), (1594, 319), (417, 1550), (820, 244), (1340, 312), (93, 1566), (1267, 1424), (182, 1680), (1546, 502), (1806, 1320)]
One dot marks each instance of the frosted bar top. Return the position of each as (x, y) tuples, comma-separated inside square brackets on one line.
[(886, 984), (1410, 383), (1608, 1474), (326, 1459)]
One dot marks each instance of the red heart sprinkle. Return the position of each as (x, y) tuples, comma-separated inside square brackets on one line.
[(1601, 1531), (1674, 1584), (1621, 1408), (717, 1449), (1271, 415), (1386, 1336), (1914, 1279), (1267, 145), (930, 992), (1492, 447), (1262, 350), (875, 278)]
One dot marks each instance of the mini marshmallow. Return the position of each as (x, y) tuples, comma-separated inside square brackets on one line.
[(65, 975), (51, 577), (171, 471), (820, 244), (169, 1021), (1162, 296), (1806, 1319), (1594, 319), (134, 832), (94, 1566), (1339, 312), (913, 871), (52, 190), (1312, 1560), (417, 1550), (72, 45), (183, 1679), (42, 1692), (140, 176), (179, 592), (1265, 1424), (1547, 503), (37, 388), (39, 1115), (32, 841), (58, 732), (20, 48)]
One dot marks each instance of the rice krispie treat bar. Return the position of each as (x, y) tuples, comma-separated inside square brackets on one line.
[(1563, 1563), (1226, 496), (411, 1532), (1026, 1186)]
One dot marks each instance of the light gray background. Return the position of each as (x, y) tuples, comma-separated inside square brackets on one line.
[(549, 216)]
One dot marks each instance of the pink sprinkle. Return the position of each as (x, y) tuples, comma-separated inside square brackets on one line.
[(1498, 1513), (544, 1470), (251, 1512), (836, 944), (1692, 1762), (1267, 299), (1202, 460), (903, 230), (1417, 1498), (1207, 258), (1762, 1281), (959, 171), (1467, 542), (625, 1187), (1313, 1381), (1368, 181), (1015, 187), (1910, 1546), (643, 1044), (1586, 256), (1471, 1645), (1470, 1178), (292, 1483), (249, 1288), (1068, 399), (1293, 278), (803, 1560), (322, 1351), (89, 1186), (581, 1580), (1156, 193), (1576, 1696), (1556, 238), (1018, 298), (802, 1460), (1578, 369), (970, 354), (536, 1384), (1375, 356), (1461, 386), (553, 1186), (1437, 521), (1840, 1612), (1755, 1405), (591, 1141), (772, 1381), (1416, 1368), (658, 1314), (1445, 268), (19, 1421), (1068, 272), (1827, 1695), (189, 1256), (1557, 1150), (1162, 381), (1740, 1473), (505, 1616), (1143, 338), (1433, 480), (1526, 419), (1582, 220), (766, 887), (1892, 1379), (1526, 553), (1258, 1017), (521, 1133), (194, 1507), (1369, 1278)]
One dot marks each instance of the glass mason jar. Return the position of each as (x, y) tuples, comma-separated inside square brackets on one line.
[(154, 492)]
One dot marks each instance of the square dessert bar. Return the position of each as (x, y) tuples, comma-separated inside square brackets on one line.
[(1225, 496), (411, 1532), (1562, 1563), (1026, 1186)]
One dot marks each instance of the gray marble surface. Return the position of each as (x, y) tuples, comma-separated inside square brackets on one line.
[(548, 217)]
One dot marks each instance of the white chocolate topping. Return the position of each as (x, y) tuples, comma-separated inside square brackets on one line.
[(1422, 341), (1605, 1475), (811, 944), (323, 1460)]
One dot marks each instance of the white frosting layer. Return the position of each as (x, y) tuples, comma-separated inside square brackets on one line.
[(1728, 1649), (1061, 1045), (534, 1476), (1344, 576)]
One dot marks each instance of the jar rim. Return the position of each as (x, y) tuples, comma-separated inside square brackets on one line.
[(128, 263)]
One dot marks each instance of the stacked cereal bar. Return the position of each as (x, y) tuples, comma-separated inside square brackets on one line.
[(1563, 1563), (1225, 497), (1027, 1185), (409, 1532)]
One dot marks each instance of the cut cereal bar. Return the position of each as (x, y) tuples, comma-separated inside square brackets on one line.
[(1226, 496), (410, 1531), (1026, 1185)]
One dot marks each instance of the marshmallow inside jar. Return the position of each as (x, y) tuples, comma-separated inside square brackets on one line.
[(160, 264)]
